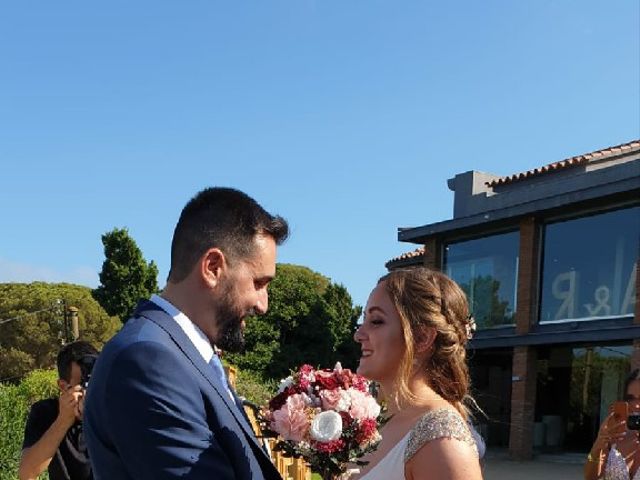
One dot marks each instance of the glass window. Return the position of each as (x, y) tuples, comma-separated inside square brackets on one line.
[(589, 267), (487, 269), (576, 385)]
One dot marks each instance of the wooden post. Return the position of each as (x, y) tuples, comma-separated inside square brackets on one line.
[(232, 375), (75, 329)]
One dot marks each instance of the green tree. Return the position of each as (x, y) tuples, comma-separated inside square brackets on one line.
[(343, 323), (310, 320), (34, 338), (487, 307), (126, 277)]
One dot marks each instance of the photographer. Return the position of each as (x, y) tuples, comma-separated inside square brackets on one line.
[(53, 437), (615, 454)]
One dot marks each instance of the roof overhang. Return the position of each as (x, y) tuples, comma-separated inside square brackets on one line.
[(625, 186)]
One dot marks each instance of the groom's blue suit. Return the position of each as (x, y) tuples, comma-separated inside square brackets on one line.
[(155, 410)]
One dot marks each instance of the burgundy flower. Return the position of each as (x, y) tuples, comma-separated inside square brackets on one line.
[(327, 380), (280, 399), (346, 419), (367, 430), (345, 377), (329, 447)]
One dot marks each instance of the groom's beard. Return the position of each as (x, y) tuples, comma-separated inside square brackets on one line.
[(230, 316)]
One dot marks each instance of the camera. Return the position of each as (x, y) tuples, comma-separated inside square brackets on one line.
[(86, 364), (633, 421)]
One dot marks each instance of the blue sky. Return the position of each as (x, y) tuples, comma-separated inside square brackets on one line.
[(345, 117)]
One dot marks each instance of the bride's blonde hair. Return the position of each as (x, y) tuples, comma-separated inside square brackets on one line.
[(425, 299)]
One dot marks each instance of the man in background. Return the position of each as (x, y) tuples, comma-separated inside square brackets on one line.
[(53, 437)]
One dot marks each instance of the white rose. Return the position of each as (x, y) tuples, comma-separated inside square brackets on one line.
[(284, 384), (345, 402), (326, 426)]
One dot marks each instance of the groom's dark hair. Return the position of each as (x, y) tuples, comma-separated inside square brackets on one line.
[(223, 218)]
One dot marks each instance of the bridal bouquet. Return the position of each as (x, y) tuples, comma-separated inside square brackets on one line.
[(328, 417)]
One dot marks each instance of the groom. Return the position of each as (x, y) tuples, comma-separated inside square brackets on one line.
[(159, 405)]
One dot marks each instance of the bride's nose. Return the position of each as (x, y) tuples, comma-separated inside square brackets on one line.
[(358, 334)]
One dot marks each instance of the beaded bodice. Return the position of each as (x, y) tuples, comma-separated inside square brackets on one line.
[(440, 423), (616, 467)]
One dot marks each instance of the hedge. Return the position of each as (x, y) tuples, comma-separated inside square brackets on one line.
[(15, 401)]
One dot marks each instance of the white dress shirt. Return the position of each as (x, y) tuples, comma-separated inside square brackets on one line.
[(191, 330)]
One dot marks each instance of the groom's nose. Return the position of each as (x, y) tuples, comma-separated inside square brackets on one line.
[(262, 302)]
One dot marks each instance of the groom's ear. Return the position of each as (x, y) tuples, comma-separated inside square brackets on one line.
[(212, 266)]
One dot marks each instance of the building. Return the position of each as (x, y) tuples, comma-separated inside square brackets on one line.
[(549, 261)]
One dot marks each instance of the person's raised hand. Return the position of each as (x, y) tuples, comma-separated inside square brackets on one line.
[(612, 430), (68, 403)]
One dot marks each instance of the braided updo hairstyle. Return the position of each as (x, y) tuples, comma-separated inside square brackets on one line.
[(425, 299)]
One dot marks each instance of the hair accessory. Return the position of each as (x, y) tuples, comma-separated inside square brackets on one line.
[(470, 326)]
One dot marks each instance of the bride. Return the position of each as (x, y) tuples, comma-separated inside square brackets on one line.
[(416, 325)]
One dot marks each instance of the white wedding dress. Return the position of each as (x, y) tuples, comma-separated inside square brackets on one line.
[(440, 423), (616, 467)]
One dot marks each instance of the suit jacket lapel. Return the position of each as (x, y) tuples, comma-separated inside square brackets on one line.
[(240, 406), (154, 313)]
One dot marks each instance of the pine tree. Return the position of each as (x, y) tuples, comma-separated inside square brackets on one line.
[(126, 277)]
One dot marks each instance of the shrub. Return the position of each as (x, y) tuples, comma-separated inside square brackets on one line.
[(250, 386), (15, 401), (38, 385), (13, 413)]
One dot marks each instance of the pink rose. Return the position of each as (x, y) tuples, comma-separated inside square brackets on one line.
[(291, 421), (338, 400), (363, 405), (306, 369), (359, 383)]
